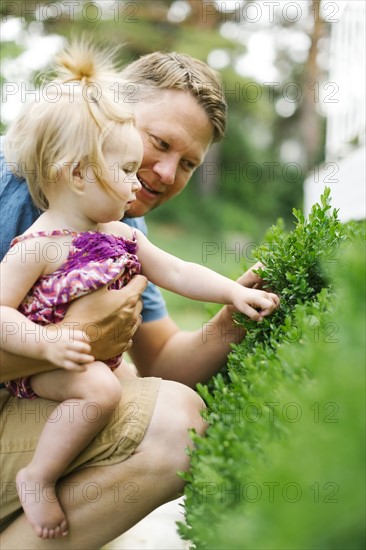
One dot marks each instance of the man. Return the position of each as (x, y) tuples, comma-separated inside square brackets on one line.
[(180, 112)]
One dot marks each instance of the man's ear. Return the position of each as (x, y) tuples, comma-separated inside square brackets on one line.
[(77, 182)]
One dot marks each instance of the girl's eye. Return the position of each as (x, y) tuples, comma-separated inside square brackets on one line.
[(129, 169)]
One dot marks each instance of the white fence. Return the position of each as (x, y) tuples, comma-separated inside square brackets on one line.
[(344, 168)]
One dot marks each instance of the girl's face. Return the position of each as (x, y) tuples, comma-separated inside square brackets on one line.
[(122, 156)]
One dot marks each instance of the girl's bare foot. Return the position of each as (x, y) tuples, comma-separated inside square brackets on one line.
[(41, 506)]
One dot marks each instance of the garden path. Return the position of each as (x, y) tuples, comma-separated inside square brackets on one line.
[(155, 532)]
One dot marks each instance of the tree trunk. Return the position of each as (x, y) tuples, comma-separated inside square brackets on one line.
[(309, 122)]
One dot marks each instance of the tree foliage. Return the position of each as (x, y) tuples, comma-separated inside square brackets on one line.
[(248, 171)]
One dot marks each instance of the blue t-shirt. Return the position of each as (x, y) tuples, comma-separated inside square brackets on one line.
[(17, 213)]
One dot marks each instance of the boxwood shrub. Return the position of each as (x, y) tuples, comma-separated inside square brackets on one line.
[(282, 464)]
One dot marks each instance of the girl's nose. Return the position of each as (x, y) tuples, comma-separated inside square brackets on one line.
[(136, 185)]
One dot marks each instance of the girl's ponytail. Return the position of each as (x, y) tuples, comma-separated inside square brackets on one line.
[(70, 122), (81, 61)]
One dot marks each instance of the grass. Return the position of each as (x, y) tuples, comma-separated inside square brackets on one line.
[(225, 254)]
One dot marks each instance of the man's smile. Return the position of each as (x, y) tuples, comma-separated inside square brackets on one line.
[(147, 187)]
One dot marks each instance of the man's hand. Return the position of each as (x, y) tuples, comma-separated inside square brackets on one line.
[(110, 318), (249, 279)]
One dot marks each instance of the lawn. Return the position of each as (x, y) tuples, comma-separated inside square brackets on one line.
[(225, 255)]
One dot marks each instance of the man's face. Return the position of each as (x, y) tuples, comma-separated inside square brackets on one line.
[(176, 134)]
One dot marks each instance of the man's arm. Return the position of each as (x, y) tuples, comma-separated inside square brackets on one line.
[(161, 349), (109, 317)]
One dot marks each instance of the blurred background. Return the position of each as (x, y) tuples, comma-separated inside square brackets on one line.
[(293, 74)]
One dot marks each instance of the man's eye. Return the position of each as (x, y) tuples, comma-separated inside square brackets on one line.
[(188, 165), (160, 143)]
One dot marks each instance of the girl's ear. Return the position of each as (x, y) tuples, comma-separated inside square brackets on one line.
[(77, 182)]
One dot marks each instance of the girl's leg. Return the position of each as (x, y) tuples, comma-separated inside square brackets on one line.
[(88, 400), (128, 490)]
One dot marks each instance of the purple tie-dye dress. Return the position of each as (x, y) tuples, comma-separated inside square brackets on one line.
[(94, 260)]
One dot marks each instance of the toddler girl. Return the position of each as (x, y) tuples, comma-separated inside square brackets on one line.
[(80, 152)]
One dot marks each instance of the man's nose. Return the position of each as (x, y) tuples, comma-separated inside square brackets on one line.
[(166, 170)]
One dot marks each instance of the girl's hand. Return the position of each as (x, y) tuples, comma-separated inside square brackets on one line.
[(68, 349), (255, 304)]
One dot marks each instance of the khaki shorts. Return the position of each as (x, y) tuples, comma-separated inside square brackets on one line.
[(22, 421)]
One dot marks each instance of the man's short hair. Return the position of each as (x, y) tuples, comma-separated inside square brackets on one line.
[(175, 71)]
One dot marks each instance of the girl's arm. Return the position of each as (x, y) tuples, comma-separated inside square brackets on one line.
[(18, 272), (199, 283)]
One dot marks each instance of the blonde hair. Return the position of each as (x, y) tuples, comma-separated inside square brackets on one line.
[(175, 71), (69, 122)]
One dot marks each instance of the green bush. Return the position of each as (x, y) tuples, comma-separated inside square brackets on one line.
[(282, 465)]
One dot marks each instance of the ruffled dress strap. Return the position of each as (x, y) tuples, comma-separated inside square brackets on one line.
[(61, 232), (54, 233)]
